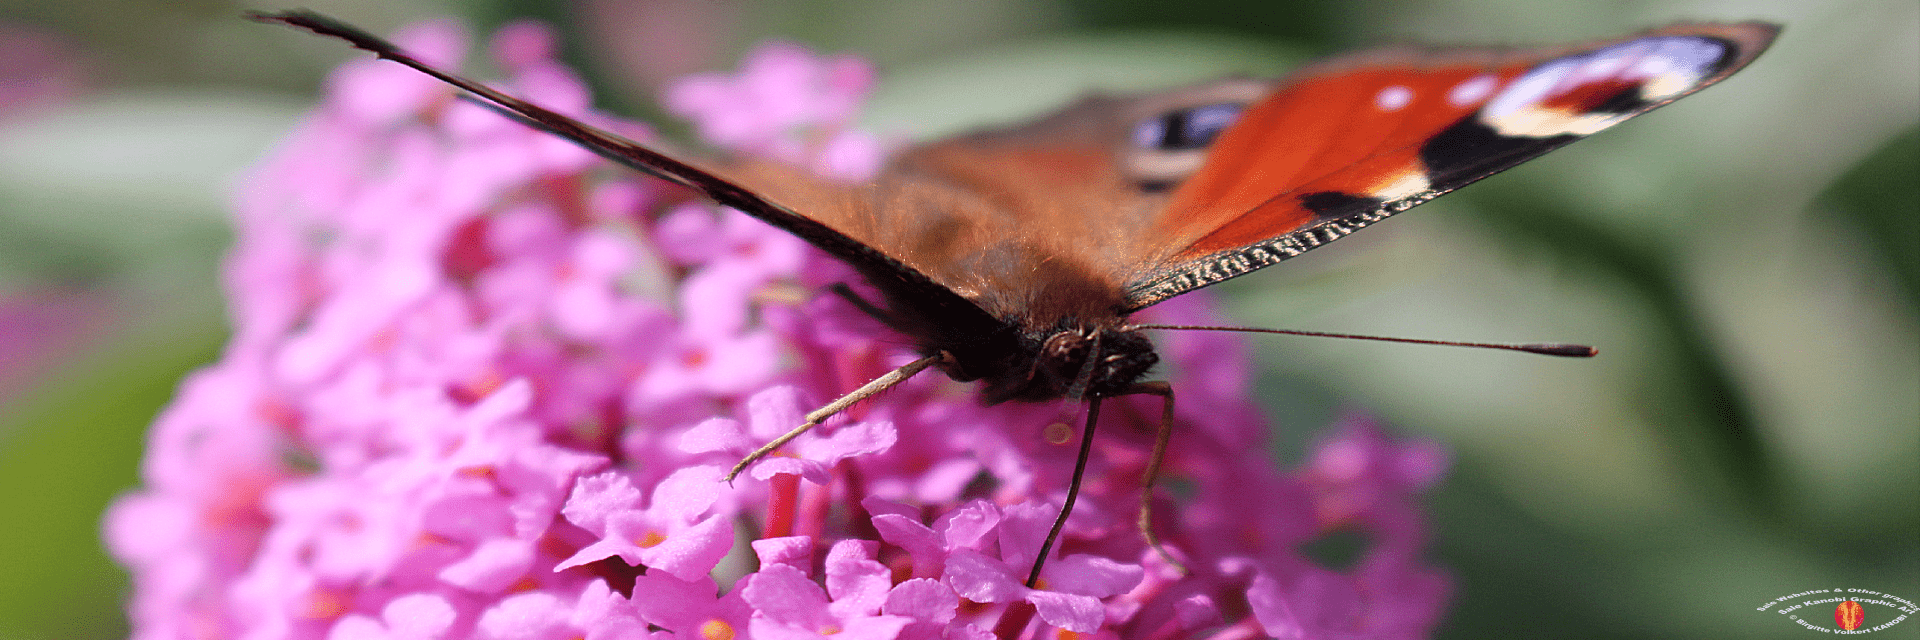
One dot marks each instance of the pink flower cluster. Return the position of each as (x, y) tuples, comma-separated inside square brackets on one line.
[(483, 385)]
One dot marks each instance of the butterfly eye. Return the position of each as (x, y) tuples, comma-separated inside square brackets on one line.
[(1186, 129)]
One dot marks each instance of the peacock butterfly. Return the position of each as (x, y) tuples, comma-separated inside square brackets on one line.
[(1014, 257)]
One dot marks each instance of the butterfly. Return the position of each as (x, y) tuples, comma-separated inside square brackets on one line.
[(1014, 257)]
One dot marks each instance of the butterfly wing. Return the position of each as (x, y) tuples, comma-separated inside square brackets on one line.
[(899, 280), (1070, 217), (1032, 221), (1350, 141)]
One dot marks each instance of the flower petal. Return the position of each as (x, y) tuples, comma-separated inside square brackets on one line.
[(1079, 614)]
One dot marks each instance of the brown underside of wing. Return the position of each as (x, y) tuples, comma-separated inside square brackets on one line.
[(1034, 223), (1005, 228)]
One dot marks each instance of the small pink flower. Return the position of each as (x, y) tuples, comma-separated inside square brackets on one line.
[(933, 608), (792, 606), (412, 617), (1069, 592), (774, 412), (674, 533), (969, 527), (596, 613), (375, 93), (690, 608), (780, 87)]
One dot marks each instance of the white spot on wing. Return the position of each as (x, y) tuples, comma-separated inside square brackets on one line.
[(1547, 123), (1401, 187), (1691, 55), (1663, 67), (1393, 98), (1599, 68), (1529, 90), (1472, 91), (1652, 66), (1686, 61), (1607, 63)]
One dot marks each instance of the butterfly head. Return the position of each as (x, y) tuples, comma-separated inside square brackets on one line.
[(1073, 360)]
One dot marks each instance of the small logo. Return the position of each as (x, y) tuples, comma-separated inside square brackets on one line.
[(1850, 610), (1849, 615)]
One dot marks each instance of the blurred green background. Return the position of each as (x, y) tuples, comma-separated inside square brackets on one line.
[(1748, 261)]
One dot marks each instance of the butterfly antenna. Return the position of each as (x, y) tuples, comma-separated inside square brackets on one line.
[(1543, 348)]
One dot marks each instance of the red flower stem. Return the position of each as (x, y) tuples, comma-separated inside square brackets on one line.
[(783, 499), (1013, 621), (815, 502)]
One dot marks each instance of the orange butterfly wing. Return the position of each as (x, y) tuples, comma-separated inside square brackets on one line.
[(1351, 141)]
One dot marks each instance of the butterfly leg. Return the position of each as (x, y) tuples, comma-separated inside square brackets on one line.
[(882, 383), (1161, 436)]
